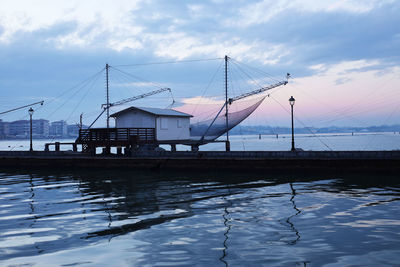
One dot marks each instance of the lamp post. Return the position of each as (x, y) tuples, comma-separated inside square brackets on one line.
[(291, 101), (30, 111)]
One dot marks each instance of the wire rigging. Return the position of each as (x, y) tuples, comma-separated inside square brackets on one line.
[(208, 85), (297, 119), (168, 62), (157, 85), (83, 97), (387, 119), (80, 85), (78, 89), (263, 73)]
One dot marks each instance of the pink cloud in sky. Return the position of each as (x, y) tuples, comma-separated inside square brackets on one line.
[(348, 93)]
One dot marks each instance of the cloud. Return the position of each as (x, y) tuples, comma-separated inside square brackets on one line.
[(286, 33), (135, 84), (121, 26), (348, 89), (347, 67), (200, 100), (263, 11), (342, 80), (325, 45), (195, 8), (202, 108), (101, 16), (179, 45)]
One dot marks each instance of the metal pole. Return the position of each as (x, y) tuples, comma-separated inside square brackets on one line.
[(30, 133), (293, 149), (40, 102), (227, 145), (108, 99)]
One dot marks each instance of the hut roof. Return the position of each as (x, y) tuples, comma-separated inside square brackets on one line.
[(154, 111)]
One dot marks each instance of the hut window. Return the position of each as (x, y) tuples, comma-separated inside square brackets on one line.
[(164, 123), (179, 123)]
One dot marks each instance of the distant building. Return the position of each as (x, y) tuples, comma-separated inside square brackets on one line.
[(169, 124), (21, 128), (59, 129), (40, 128), (4, 129), (73, 130), (2, 136)]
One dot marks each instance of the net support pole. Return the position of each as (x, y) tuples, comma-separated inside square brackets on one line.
[(227, 144), (107, 98), (108, 110), (202, 137)]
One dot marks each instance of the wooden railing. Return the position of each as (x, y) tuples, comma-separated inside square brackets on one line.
[(120, 135)]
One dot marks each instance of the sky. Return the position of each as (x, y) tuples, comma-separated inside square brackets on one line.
[(343, 57)]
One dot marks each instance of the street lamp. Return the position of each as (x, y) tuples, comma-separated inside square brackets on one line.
[(291, 101), (30, 111)]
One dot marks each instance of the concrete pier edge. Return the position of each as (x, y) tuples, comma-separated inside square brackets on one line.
[(384, 161)]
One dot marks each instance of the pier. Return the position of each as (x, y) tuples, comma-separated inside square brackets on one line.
[(382, 161)]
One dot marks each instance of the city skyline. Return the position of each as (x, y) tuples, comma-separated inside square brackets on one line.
[(342, 55), (41, 128)]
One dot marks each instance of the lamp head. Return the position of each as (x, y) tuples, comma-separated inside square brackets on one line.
[(31, 111), (291, 100)]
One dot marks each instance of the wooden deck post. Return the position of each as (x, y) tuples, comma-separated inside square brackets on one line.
[(227, 146), (127, 151)]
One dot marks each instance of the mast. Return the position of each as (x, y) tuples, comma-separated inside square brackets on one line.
[(227, 145), (108, 98)]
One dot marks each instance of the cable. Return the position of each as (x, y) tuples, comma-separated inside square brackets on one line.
[(75, 86), (245, 73), (302, 123), (83, 97), (256, 69), (390, 116), (76, 92), (138, 78), (78, 86), (167, 62), (173, 100), (207, 87)]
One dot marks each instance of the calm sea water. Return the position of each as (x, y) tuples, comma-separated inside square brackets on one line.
[(120, 218), (335, 141)]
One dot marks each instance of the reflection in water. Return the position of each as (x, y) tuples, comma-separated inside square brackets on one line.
[(225, 243), (139, 218), (297, 213), (226, 217), (32, 208)]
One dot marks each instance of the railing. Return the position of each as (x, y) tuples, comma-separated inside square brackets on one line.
[(135, 135)]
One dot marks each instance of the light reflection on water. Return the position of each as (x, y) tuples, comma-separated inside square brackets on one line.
[(147, 218)]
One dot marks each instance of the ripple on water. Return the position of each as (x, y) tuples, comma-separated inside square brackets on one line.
[(144, 219)]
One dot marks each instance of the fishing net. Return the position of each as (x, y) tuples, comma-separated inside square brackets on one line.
[(208, 123)]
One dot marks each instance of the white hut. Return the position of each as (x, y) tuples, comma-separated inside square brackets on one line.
[(169, 124)]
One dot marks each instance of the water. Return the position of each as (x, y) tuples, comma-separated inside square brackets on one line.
[(335, 141), (118, 218)]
